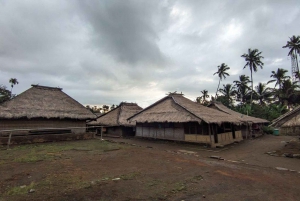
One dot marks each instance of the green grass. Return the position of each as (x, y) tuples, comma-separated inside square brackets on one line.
[(20, 191), (31, 153)]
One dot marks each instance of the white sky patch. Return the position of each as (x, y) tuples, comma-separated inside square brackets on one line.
[(182, 19), (277, 62), (232, 31)]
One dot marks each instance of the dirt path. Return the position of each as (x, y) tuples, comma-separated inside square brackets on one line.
[(96, 170)]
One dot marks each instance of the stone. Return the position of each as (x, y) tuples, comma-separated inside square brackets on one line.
[(215, 157), (281, 168), (293, 171), (296, 155), (116, 179), (23, 186), (203, 196), (31, 190)]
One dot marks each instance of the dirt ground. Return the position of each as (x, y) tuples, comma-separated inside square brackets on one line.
[(136, 169)]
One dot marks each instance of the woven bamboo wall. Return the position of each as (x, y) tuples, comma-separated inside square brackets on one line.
[(42, 123)]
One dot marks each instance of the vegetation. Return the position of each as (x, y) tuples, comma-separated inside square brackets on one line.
[(221, 74), (6, 94), (262, 100)]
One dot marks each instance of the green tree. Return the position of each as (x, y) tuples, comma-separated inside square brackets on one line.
[(5, 94), (13, 82), (228, 92), (279, 76), (242, 88), (263, 93), (294, 46), (288, 92), (204, 96), (253, 61), (221, 74)]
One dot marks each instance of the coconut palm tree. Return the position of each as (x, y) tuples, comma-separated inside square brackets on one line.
[(221, 74), (288, 90), (253, 61), (242, 87), (262, 93), (294, 46), (228, 92), (13, 82), (279, 77), (204, 96)]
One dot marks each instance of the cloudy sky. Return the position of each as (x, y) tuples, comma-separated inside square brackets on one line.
[(105, 52)]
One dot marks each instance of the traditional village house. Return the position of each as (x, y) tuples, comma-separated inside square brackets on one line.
[(115, 122), (43, 110), (251, 127), (175, 117), (288, 123)]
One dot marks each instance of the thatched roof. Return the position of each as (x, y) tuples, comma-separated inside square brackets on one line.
[(289, 119), (244, 118), (44, 102), (118, 116), (177, 108)]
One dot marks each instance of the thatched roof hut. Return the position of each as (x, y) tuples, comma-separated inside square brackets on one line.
[(289, 119), (244, 118), (118, 116), (178, 109), (44, 102)]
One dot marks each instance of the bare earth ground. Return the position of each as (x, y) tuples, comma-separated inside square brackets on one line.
[(135, 169)]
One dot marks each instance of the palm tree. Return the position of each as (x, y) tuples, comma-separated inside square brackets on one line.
[(13, 82), (204, 96), (242, 87), (253, 59), (288, 90), (294, 46), (221, 74), (228, 92), (279, 77), (262, 93)]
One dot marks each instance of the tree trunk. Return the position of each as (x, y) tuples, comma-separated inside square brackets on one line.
[(251, 87), (217, 89)]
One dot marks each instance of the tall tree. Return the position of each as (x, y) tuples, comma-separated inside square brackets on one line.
[(228, 92), (221, 74), (279, 76), (288, 91), (13, 82), (242, 88), (262, 93), (294, 46), (204, 96), (253, 61)]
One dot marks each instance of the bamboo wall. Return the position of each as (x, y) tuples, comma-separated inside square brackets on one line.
[(7, 124)]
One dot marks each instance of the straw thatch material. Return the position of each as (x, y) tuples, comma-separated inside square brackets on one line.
[(178, 109), (289, 119), (244, 118), (44, 102), (118, 116)]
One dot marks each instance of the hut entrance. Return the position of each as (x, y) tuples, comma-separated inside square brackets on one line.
[(233, 131)]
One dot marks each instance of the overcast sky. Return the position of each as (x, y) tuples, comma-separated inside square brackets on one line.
[(105, 52)]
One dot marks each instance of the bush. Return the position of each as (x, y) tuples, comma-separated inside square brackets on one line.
[(268, 130)]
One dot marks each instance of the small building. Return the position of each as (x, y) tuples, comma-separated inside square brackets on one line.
[(43, 110), (114, 122), (251, 126), (288, 123), (177, 118)]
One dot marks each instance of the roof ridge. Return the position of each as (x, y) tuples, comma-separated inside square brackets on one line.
[(186, 109), (46, 87)]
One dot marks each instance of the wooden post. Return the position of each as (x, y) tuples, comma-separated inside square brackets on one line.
[(101, 132), (9, 138), (209, 131)]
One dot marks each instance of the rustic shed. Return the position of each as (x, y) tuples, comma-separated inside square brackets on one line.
[(175, 117), (115, 121), (43, 110), (288, 123), (252, 126)]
